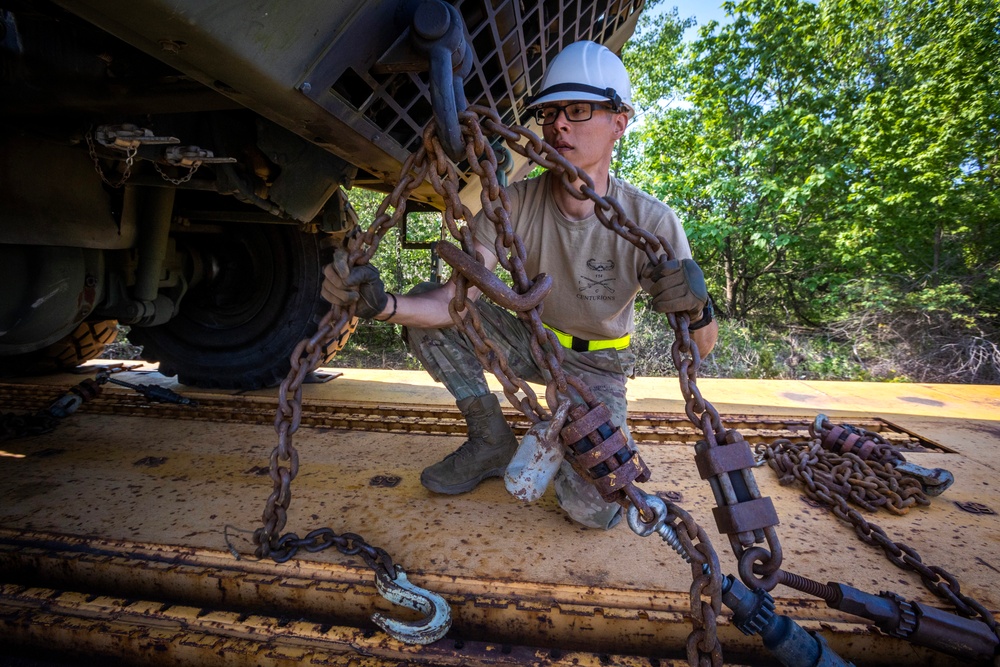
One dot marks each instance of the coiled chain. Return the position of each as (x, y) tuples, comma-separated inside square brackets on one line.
[(835, 480)]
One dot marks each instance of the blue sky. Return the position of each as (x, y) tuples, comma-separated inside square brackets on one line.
[(703, 11)]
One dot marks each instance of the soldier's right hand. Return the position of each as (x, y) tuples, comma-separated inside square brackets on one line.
[(343, 286)]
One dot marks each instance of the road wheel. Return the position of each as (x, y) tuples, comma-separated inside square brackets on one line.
[(84, 343), (238, 327)]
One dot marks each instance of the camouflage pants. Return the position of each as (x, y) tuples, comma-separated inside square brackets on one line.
[(449, 358)]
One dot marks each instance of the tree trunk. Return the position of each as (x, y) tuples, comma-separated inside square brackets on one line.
[(730, 269)]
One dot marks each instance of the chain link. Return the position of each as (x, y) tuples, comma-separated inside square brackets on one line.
[(836, 481), (130, 154), (429, 162), (331, 335), (684, 351), (177, 181)]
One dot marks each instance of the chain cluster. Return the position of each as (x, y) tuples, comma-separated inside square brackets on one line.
[(431, 163), (837, 480), (14, 426)]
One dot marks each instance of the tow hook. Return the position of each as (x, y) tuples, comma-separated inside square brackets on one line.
[(437, 614)]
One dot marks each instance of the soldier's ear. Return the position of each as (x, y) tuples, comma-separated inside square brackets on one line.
[(621, 122)]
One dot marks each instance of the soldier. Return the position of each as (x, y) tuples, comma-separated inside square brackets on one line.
[(583, 108)]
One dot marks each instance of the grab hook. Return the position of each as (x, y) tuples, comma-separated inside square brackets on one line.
[(436, 619)]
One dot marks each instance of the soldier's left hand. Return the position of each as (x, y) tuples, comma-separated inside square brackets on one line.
[(678, 287)]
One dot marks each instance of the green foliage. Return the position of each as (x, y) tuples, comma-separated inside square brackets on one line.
[(752, 351), (833, 161), (379, 344)]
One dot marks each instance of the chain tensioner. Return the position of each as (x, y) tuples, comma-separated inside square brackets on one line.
[(844, 465)]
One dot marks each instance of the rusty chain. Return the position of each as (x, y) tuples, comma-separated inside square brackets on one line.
[(14, 426), (703, 647), (574, 422), (331, 335), (587, 422), (835, 480), (684, 352)]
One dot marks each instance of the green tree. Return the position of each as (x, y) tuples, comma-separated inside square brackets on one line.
[(747, 158), (835, 163), (925, 129)]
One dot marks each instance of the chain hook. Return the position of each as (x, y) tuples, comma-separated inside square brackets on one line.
[(436, 619)]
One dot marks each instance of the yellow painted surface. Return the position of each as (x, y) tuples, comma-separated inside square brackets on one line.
[(656, 394), (662, 394), (485, 548)]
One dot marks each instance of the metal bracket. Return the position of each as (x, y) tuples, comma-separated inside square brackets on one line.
[(128, 136)]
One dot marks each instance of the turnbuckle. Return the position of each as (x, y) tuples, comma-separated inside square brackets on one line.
[(918, 623), (436, 620)]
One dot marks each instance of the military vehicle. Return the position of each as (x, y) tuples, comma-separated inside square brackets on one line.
[(178, 166)]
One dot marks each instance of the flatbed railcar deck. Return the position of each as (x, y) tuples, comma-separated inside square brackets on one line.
[(120, 530)]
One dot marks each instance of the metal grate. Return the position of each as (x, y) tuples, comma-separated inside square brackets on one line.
[(512, 42)]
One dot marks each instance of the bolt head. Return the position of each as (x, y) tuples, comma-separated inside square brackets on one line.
[(431, 20)]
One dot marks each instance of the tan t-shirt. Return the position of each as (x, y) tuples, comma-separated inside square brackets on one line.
[(595, 272)]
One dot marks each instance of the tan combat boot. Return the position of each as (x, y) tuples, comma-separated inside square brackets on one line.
[(486, 453)]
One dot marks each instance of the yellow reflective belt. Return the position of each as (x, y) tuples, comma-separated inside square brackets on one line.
[(581, 345)]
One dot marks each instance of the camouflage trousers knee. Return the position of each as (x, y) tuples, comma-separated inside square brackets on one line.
[(449, 357)]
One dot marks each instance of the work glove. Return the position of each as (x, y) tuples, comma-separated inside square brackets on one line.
[(678, 287), (343, 286)]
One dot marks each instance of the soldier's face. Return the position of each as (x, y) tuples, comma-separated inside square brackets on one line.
[(589, 143)]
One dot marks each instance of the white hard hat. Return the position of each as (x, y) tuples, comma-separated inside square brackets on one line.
[(587, 72)]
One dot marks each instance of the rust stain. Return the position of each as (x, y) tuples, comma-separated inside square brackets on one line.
[(799, 398), (151, 461), (922, 401), (981, 561)]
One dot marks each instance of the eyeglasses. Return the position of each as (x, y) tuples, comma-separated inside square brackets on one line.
[(576, 112)]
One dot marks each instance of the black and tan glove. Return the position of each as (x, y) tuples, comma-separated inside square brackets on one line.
[(678, 287), (342, 286)]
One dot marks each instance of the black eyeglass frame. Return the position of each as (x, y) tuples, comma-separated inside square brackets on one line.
[(562, 108)]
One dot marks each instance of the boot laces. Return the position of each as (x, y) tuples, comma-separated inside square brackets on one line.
[(465, 451)]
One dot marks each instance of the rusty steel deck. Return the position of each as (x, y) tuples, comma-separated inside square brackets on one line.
[(120, 530)]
